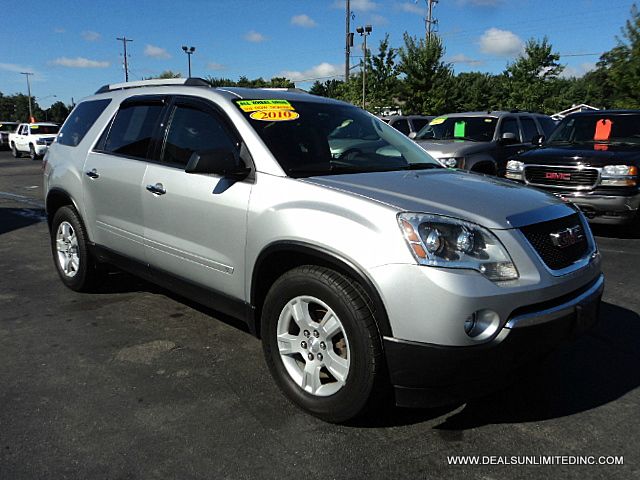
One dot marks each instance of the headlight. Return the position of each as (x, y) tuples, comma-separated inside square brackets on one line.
[(515, 166), (440, 241), (619, 176), (453, 162)]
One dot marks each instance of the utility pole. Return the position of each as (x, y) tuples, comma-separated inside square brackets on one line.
[(124, 41), (430, 22), (348, 43), (28, 74)]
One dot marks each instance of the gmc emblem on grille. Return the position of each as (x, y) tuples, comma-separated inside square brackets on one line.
[(567, 237), (557, 176)]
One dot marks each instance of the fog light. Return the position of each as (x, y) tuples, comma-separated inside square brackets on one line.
[(482, 324)]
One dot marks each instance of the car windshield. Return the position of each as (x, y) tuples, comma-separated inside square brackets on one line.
[(44, 129), (313, 138), (474, 129), (8, 127), (608, 128)]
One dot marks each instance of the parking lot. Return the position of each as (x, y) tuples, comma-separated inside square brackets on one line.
[(134, 382)]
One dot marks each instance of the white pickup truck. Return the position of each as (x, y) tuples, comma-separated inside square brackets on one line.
[(32, 138)]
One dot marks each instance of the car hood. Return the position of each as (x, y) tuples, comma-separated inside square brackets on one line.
[(451, 148), (487, 201), (587, 154)]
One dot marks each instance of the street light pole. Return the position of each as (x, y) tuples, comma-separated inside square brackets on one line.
[(28, 74), (189, 51), (364, 32)]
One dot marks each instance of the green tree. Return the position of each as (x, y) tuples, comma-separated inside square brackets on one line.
[(165, 74), (530, 77), (476, 91), (57, 112), (382, 83), (427, 78), (331, 88)]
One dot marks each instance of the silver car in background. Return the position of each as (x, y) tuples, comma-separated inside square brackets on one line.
[(362, 271)]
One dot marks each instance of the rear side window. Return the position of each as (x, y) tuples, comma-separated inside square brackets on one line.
[(80, 121), (547, 124), (419, 123), (401, 126), (132, 130), (510, 125), (529, 129)]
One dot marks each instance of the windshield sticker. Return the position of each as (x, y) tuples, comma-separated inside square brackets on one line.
[(264, 105), (437, 121), (35, 127), (274, 115), (488, 120), (458, 129), (603, 130)]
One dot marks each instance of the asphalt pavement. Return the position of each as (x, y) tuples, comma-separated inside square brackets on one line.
[(136, 383)]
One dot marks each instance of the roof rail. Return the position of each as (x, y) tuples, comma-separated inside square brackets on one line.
[(156, 82)]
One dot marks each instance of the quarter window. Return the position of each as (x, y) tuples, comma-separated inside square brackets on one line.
[(193, 130), (80, 121), (131, 132)]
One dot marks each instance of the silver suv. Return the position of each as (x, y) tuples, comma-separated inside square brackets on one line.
[(358, 268)]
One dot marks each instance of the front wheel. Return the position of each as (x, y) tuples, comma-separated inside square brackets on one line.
[(32, 153), (69, 245), (321, 343)]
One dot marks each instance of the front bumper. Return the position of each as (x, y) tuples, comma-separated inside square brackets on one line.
[(426, 375), (606, 209)]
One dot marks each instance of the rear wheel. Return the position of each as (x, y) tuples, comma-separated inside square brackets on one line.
[(32, 153), (321, 343), (69, 245), (14, 151)]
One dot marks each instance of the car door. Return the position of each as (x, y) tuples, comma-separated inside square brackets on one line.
[(195, 224), (21, 139), (505, 150), (113, 176)]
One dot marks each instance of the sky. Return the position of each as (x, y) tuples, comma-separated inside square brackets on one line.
[(71, 46)]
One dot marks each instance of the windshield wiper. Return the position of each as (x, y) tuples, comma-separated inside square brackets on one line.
[(421, 166)]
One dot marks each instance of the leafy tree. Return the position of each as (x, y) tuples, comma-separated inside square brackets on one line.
[(165, 74), (57, 112), (426, 85), (382, 83), (331, 88), (530, 76), (476, 91)]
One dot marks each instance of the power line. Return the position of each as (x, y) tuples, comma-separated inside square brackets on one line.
[(124, 41)]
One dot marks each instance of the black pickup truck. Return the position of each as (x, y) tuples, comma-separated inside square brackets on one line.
[(591, 159)]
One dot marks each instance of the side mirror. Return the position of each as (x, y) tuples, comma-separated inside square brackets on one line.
[(508, 138), (220, 162), (538, 140), (412, 135)]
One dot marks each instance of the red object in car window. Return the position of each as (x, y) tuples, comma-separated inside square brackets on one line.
[(603, 129)]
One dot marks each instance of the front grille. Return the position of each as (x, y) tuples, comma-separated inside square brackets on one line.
[(557, 257), (571, 177)]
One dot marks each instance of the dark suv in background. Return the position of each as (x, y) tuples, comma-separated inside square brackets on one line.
[(482, 141), (592, 160), (410, 125)]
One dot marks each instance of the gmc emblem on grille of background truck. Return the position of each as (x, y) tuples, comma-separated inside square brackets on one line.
[(557, 176), (567, 237)]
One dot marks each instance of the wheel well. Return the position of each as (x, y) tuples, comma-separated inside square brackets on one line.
[(276, 260), (55, 200), (487, 167)]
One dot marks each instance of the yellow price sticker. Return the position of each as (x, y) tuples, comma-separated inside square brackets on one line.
[(275, 115), (437, 121), (34, 127), (264, 105)]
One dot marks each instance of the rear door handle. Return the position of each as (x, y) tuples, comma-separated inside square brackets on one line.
[(92, 173), (157, 189)]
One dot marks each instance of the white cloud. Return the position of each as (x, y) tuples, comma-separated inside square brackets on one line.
[(577, 71), (320, 71), (14, 67), (303, 21), (501, 42), (376, 19), (59, 30), (79, 62), (464, 59), (481, 3), (90, 36), (411, 8), (255, 37), (215, 66), (357, 5), (155, 52)]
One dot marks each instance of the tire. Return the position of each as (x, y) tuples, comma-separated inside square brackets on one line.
[(32, 153), (69, 246), (328, 360), (14, 151)]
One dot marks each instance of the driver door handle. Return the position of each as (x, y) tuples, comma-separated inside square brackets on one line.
[(92, 173), (157, 189)]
